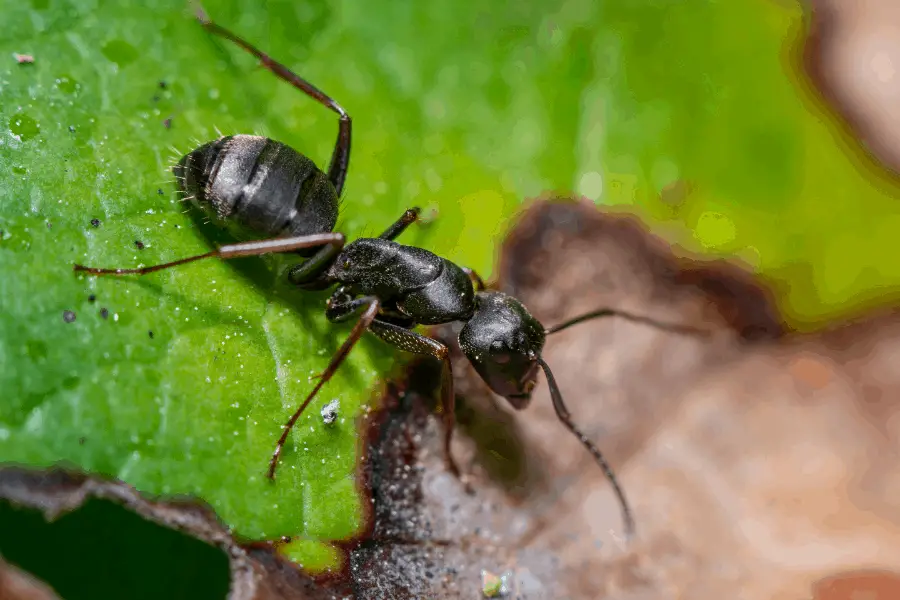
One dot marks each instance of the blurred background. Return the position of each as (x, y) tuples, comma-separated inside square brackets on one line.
[(763, 132)]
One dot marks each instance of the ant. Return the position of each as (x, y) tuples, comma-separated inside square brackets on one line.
[(255, 185)]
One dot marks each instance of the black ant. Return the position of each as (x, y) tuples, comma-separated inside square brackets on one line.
[(256, 185)]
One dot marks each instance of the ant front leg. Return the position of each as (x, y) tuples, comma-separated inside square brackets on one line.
[(410, 341), (373, 305), (340, 158), (234, 251), (308, 274), (341, 305), (408, 218)]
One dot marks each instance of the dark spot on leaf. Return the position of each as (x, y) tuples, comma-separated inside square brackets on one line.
[(150, 333), (159, 191), (95, 222), (24, 126), (92, 297), (81, 441), (49, 225), (104, 312), (36, 349), (162, 84), (120, 52), (66, 84), (72, 128), (69, 316), (168, 123), (139, 244)]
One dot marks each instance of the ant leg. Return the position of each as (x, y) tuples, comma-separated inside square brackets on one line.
[(307, 273), (365, 320), (612, 312), (340, 158), (341, 305), (233, 251), (408, 218), (563, 413), (411, 341), (475, 277)]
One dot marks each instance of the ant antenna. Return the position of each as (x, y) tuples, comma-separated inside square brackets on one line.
[(612, 312), (563, 413)]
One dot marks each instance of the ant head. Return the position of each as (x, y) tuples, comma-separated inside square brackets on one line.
[(504, 342)]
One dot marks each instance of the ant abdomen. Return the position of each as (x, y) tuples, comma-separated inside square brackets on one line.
[(262, 187)]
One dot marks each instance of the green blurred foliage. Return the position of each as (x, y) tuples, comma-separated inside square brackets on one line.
[(692, 113), (705, 120)]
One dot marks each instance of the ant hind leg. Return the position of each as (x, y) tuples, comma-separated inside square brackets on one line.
[(340, 157)]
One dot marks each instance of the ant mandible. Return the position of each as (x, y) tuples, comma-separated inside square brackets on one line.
[(267, 189)]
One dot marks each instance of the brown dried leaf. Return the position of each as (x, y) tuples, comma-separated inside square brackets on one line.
[(16, 584), (853, 53), (758, 463)]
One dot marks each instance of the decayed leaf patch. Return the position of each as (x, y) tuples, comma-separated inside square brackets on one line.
[(759, 460)]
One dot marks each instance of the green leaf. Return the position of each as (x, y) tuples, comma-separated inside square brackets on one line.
[(463, 108)]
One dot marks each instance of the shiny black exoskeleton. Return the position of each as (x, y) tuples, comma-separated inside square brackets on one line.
[(270, 193), (252, 184)]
